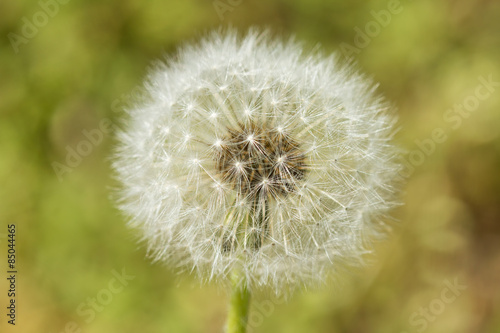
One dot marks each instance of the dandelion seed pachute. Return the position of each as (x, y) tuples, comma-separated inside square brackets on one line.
[(250, 155)]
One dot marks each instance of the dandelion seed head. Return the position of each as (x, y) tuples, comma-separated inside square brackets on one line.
[(252, 155)]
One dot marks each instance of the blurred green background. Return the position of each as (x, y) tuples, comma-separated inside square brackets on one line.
[(79, 63)]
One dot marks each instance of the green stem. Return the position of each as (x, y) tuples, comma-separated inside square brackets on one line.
[(238, 307)]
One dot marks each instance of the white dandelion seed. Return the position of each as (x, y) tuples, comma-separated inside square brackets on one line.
[(250, 155)]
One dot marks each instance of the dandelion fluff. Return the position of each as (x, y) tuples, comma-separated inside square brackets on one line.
[(249, 155)]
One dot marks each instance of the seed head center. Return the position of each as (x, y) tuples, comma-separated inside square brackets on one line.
[(255, 160)]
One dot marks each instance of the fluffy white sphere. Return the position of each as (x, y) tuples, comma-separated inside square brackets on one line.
[(251, 156)]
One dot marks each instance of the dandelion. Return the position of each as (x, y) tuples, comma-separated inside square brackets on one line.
[(251, 161)]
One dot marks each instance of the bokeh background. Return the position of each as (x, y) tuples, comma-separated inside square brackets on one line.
[(81, 62)]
